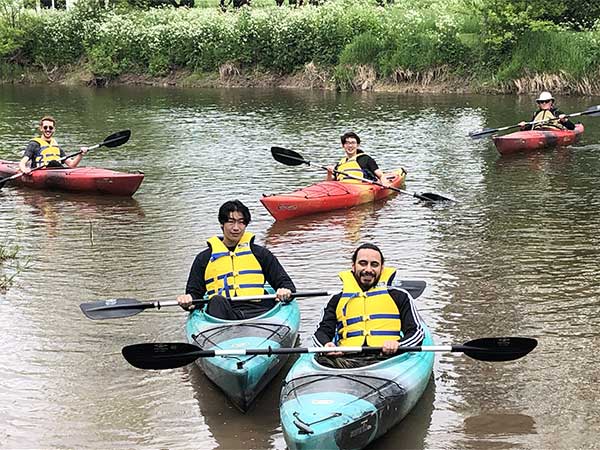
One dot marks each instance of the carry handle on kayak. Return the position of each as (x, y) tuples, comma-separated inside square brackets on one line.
[(114, 140), (592, 111), (292, 158), (159, 356)]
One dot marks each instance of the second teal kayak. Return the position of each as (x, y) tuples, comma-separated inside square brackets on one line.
[(325, 408)]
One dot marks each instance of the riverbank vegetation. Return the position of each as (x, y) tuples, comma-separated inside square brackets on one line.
[(455, 45), (10, 265)]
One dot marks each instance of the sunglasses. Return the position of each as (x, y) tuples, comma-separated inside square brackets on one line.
[(48, 127), (543, 101)]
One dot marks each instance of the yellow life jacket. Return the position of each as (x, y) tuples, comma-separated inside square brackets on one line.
[(546, 115), (233, 273), (47, 152), (351, 167), (372, 315)]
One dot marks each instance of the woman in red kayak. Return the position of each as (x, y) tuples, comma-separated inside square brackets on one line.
[(44, 150), (548, 113)]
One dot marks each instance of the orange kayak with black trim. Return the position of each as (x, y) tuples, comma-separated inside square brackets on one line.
[(523, 141), (328, 196), (79, 179)]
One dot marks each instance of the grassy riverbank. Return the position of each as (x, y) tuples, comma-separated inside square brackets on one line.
[(416, 45)]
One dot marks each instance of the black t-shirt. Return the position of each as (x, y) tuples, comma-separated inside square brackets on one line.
[(367, 164), (32, 152)]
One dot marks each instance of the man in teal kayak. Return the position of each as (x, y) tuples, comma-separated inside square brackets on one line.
[(549, 114), (233, 266), (369, 311), (356, 163), (45, 151)]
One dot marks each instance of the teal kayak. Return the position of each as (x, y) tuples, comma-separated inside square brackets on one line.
[(325, 408), (242, 378)]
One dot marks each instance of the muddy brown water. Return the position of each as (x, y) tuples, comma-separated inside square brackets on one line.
[(517, 256)]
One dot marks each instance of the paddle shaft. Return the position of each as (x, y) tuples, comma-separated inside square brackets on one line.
[(159, 356)]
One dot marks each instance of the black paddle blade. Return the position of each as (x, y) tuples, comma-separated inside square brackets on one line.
[(431, 197), (116, 139), (159, 356), (114, 308), (594, 111), (288, 157), (498, 348), (482, 133)]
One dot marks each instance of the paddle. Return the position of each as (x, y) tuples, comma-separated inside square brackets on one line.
[(593, 111), (114, 140), (159, 356), (292, 158), (116, 308)]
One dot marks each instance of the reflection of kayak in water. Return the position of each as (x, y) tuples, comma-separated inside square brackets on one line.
[(78, 179), (326, 408), (242, 378), (328, 196), (536, 139)]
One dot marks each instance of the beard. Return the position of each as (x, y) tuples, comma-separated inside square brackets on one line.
[(366, 279)]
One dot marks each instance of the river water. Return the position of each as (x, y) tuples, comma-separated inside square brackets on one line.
[(517, 256)]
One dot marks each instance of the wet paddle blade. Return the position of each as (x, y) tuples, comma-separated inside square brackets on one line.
[(114, 308), (287, 156), (431, 197), (159, 356), (497, 349), (483, 133), (116, 139)]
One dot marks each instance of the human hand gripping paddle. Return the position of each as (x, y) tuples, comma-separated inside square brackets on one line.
[(114, 140), (158, 356), (594, 111), (292, 158)]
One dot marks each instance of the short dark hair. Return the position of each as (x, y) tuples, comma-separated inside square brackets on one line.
[(48, 119), (231, 206), (350, 134), (366, 246)]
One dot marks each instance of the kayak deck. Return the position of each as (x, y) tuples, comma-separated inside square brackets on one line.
[(328, 196), (242, 378), (531, 140), (79, 179), (326, 408)]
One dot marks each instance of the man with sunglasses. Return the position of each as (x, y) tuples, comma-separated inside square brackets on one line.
[(45, 151), (547, 112), (233, 266)]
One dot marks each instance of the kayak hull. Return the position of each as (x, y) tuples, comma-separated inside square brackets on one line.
[(328, 196), (79, 179), (242, 378), (523, 141), (325, 408)]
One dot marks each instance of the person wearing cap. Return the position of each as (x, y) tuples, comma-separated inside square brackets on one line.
[(547, 112)]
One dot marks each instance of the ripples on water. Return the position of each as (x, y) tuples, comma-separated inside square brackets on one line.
[(517, 256)]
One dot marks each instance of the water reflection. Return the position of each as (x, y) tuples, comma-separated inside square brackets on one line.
[(497, 431)]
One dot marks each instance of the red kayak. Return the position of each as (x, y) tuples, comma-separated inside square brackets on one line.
[(327, 196), (79, 179), (523, 141)]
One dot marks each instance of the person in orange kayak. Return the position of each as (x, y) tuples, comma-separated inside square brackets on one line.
[(232, 266), (547, 111), (45, 151), (356, 163), (369, 311)]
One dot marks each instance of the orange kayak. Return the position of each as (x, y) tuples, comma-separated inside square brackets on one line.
[(536, 139), (328, 196), (79, 179)]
